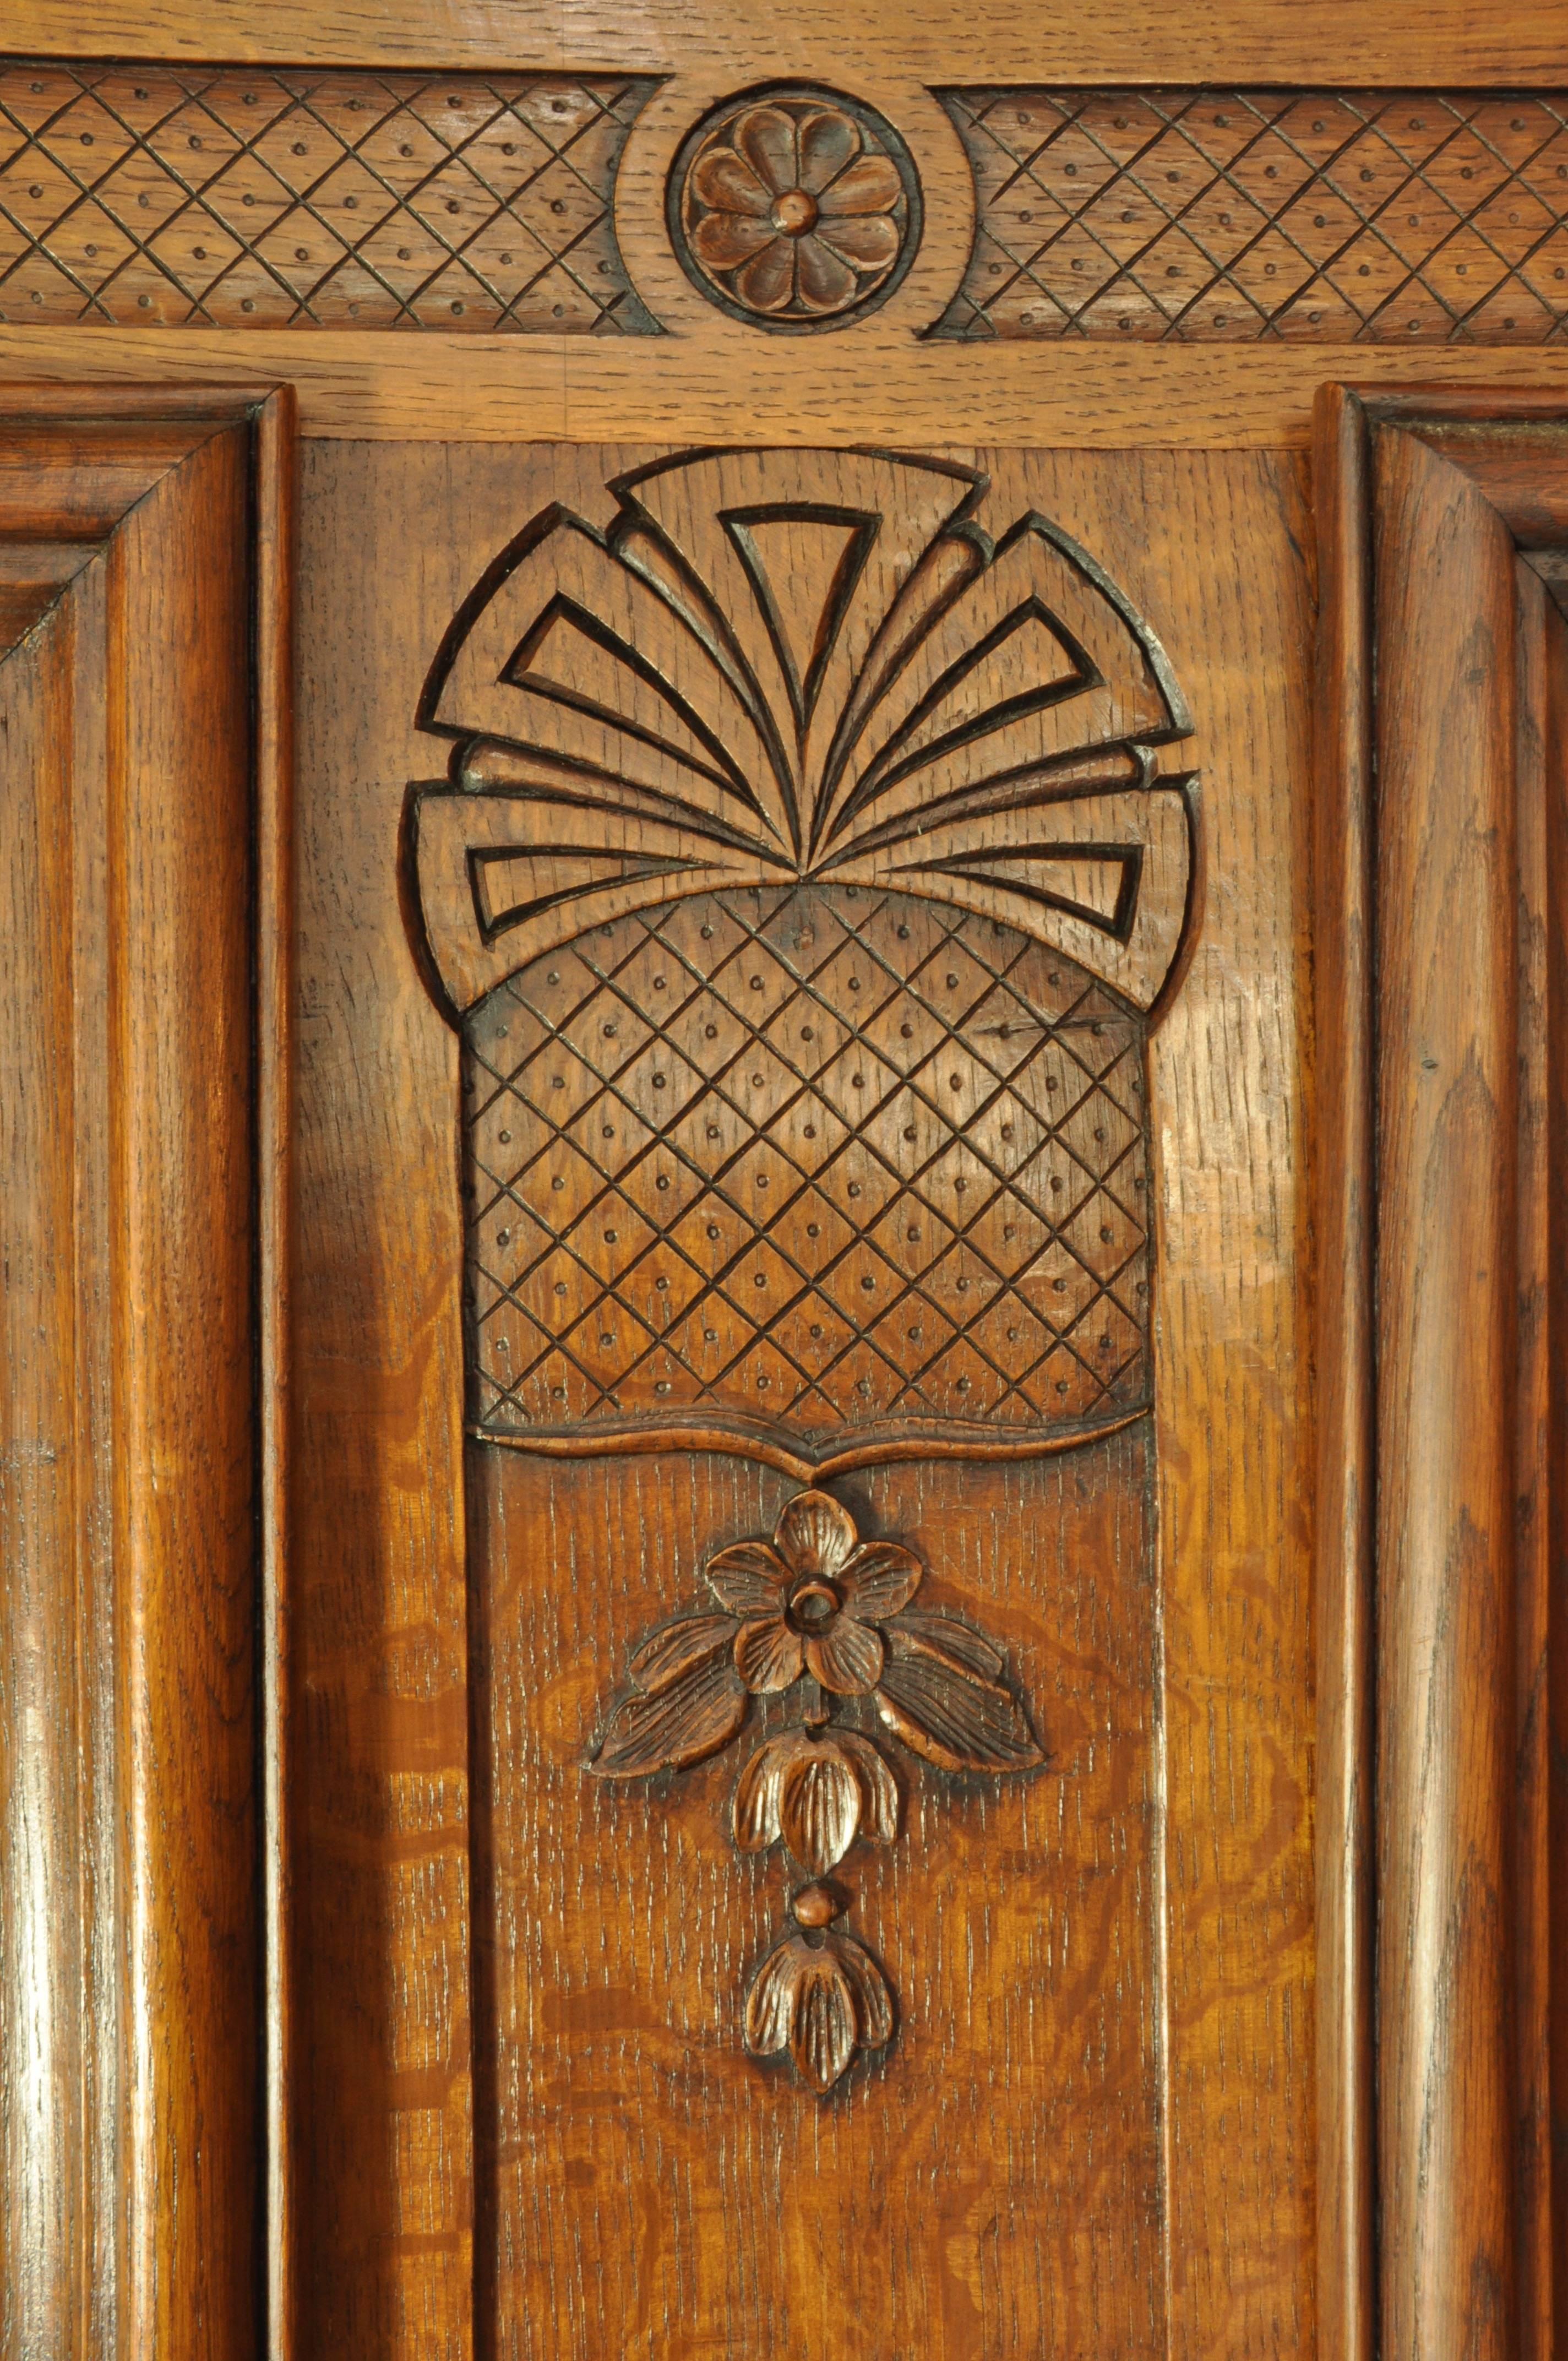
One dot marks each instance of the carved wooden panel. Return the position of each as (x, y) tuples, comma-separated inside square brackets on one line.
[(1329, 217), (524, 1986), (804, 885), (244, 197), (846, 1164)]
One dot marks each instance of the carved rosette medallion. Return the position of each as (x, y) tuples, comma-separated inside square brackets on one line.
[(804, 887), (795, 207)]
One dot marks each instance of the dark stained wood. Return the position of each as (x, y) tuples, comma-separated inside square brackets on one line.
[(1422, 508), (132, 2045)]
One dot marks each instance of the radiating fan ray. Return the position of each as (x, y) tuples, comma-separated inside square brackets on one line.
[(915, 500), (644, 550), (490, 767), (650, 695), (803, 562), (1124, 923), (777, 665), (501, 879), (1103, 770), (1030, 662)]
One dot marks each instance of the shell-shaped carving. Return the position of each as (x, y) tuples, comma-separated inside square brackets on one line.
[(777, 666)]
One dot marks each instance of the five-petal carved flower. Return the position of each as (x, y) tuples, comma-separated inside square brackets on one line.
[(812, 1598), (791, 211)]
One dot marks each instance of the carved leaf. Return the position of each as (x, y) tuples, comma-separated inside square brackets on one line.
[(947, 1636), (949, 1713), (695, 1716), (677, 1649), (873, 1995)]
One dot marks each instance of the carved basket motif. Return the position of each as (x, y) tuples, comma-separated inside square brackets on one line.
[(803, 889)]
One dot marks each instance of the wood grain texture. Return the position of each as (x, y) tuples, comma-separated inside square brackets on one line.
[(1005, 2150), (1116, 40), (1543, 1692), (1448, 1163), (1542, 648), (1424, 505), (894, 391), (388, 2196), (1344, 1544), (133, 1967)]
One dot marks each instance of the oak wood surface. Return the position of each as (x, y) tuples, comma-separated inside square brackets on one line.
[(1423, 507), (1134, 40), (133, 2025), (713, 382), (1344, 833), (391, 540)]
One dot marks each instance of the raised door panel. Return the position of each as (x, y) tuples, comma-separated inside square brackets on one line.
[(1024, 1864)]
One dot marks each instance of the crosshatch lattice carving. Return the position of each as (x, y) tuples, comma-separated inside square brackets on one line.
[(802, 889), (1316, 216), (902, 1176), (242, 196)]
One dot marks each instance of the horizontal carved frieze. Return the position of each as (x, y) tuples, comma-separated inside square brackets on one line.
[(1320, 217), (238, 196), (244, 197)]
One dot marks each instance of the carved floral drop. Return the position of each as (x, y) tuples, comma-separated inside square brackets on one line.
[(821, 1615)]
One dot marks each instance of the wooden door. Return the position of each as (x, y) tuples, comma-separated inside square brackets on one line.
[(782, 1320)]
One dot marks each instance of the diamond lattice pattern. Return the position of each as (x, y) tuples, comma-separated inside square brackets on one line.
[(1319, 217), (239, 197), (815, 1157)]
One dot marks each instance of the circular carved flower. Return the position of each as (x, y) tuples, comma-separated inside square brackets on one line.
[(812, 1600), (795, 210)]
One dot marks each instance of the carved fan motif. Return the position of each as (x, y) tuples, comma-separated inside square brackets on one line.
[(802, 890)]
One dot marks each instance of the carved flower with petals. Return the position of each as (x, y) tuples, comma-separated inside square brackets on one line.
[(794, 211), (818, 1790), (812, 1600), (819, 1995)]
